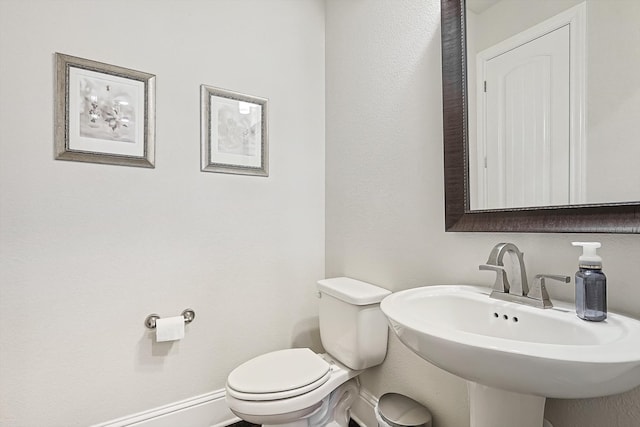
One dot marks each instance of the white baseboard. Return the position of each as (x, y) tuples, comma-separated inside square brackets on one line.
[(210, 410), (363, 409), (205, 410)]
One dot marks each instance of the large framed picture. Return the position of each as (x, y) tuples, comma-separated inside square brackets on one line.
[(104, 113), (233, 132)]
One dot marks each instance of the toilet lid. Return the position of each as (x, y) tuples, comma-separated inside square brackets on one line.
[(286, 372)]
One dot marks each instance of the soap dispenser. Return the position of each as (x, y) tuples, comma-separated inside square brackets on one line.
[(591, 284)]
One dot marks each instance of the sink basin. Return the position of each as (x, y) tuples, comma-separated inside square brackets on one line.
[(518, 349)]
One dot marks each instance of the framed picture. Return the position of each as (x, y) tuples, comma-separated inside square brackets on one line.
[(104, 113), (233, 132)]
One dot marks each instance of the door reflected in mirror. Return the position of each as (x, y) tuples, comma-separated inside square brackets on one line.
[(553, 95)]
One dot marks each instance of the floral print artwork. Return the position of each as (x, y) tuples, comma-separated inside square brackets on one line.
[(106, 110)]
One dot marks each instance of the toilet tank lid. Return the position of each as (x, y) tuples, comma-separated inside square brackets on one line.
[(352, 291)]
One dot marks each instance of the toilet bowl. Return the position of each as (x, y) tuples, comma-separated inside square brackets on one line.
[(299, 388), (298, 384)]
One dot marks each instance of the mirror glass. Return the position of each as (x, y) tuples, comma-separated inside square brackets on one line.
[(553, 102)]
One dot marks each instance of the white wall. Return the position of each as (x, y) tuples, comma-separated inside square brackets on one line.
[(88, 251), (385, 211)]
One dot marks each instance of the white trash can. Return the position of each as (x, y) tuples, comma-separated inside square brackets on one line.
[(397, 410)]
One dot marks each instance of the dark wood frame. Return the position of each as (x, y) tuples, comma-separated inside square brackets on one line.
[(604, 218)]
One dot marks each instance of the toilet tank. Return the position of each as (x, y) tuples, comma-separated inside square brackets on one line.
[(353, 329)]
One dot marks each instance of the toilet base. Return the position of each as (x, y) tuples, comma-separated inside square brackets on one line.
[(333, 410), (289, 419)]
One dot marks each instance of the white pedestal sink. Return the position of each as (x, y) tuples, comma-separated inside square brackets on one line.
[(514, 356)]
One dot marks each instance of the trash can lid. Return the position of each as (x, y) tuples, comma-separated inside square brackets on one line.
[(401, 411)]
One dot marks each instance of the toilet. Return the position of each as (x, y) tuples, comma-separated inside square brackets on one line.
[(298, 387)]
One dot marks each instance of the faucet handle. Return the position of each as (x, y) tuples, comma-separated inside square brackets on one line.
[(558, 277), (538, 290), (501, 284)]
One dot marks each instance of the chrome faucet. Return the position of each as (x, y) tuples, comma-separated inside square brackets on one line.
[(517, 290)]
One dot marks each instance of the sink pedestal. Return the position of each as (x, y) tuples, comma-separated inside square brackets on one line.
[(492, 407)]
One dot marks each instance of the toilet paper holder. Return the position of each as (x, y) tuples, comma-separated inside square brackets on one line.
[(188, 314)]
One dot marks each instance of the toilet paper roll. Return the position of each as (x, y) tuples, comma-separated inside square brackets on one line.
[(170, 329)]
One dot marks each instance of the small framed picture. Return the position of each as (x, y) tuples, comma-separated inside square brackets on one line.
[(104, 113), (233, 132)]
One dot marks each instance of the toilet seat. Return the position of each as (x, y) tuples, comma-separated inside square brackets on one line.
[(278, 375), (279, 411)]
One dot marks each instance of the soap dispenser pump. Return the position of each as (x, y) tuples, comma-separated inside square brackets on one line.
[(591, 284)]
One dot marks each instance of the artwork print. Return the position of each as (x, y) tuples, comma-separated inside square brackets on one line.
[(238, 128), (107, 110)]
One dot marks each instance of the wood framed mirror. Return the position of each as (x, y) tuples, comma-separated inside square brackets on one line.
[(616, 217)]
